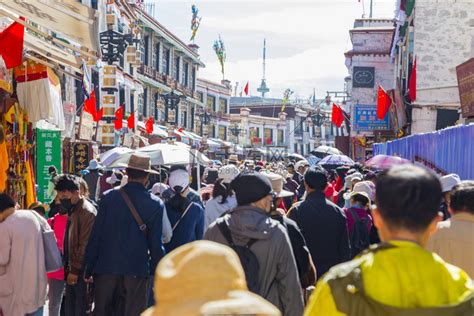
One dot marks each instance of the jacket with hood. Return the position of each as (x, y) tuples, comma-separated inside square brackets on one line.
[(215, 208), (278, 276)]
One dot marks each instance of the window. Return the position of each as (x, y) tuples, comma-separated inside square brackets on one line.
[(268, 136), (200, 96), (146, 50), (193, 79), (281, 136), (176, 68), (192, 118), (185, 74), (211, 103), (223, 132), (184, 119), (157, 54), (223, 106), (145, 102), (212, 131), (166, 61)]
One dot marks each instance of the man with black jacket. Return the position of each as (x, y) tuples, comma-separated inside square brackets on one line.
[(323, 224)]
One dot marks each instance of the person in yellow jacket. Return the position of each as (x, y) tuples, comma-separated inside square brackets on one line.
[(398, 277)]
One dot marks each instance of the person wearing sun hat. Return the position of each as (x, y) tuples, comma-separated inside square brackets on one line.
[(223, 198), (123, 253), (306, 269), (249, 224), (204, 278)]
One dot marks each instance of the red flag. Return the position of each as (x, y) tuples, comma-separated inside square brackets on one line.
[(149, 125), (412, 83), (246, 89), (12, 44), (90, 105), (180, 129), (131, 121), (99, 115), (337, 115), (119, 118), (384, 101)]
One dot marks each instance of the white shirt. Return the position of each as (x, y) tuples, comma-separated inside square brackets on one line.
[(214, 209)]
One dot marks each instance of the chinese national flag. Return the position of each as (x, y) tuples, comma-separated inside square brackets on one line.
[(90, 105), (119, 118), (131, 121), (383, 103), (412, 83), (337, 115), (149, 125), (99, 115), (246, 89), (11, 48)]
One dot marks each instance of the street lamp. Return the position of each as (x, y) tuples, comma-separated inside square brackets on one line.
[(205, 119), (235, 130), (113, 44), (318, 120), (171, 101)]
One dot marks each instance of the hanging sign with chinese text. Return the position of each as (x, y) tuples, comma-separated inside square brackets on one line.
[(48, 153), (365, 119), (80, 156)]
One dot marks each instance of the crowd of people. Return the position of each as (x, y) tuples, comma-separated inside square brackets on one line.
[(246, 237)]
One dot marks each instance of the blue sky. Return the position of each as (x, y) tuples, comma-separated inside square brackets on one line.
[(306, 39)]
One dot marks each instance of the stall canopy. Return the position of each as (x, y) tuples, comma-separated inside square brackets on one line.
[(69, 18)]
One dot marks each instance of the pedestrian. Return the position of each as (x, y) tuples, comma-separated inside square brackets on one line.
[(193, 196), (262, 242), (205, 278), (126, 243), (84, 191), (233, 160), (304, 263), (392, 278), (448, 182), (186, 217), (22, 260), (157, 190), (91, 176), (56, 280), (223, 198), (39, 208), (454, 239), (81, 217), (53, 173), (323, 224), (359, 221)]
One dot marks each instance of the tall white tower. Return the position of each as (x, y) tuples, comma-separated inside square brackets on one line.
[(263, 85)]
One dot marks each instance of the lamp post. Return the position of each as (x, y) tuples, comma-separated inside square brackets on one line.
[(205, 119), (171, 101), (318, 119), (113, 44)]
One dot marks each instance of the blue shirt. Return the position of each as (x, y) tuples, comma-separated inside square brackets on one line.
[(190, 228), (116, 245)]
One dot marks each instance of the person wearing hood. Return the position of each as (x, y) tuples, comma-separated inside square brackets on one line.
[(186, 217), (92, 175), (448, 182), (223, 198), (81, 217), (275, 275)]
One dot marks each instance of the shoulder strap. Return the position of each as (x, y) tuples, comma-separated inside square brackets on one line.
[(354, 214), (222, 225), (141, 225), (52, 223), (184, 213)]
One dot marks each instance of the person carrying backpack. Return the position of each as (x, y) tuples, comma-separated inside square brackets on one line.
[(359, 221), (262, 244), (398, 276)]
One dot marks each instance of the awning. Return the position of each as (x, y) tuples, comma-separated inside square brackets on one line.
[(51, 52), (69, 18)]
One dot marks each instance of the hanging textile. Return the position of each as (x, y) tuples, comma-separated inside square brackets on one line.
[(39, 93), (3, 160)]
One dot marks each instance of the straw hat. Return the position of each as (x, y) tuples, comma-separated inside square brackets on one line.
[(233, 159), (277, 182), (139, 162), (204, 278)]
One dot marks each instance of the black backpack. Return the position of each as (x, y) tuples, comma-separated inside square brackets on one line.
[(360, 237), (248, 259)]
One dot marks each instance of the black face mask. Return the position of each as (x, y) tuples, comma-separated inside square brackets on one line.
[(66, 206)]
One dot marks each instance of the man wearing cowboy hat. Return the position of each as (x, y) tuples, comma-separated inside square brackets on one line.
[(126, 243)]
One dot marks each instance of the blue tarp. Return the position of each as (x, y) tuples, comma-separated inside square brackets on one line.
[(446, 151)]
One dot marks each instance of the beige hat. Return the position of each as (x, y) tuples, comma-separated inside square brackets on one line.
[(364, 188), (233, 158), (139, 162), (204, 278), (228, 173), (277, 182)]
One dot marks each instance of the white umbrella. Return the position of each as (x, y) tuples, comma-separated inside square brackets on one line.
[(108, 157), (296, 156), (168, 154)]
